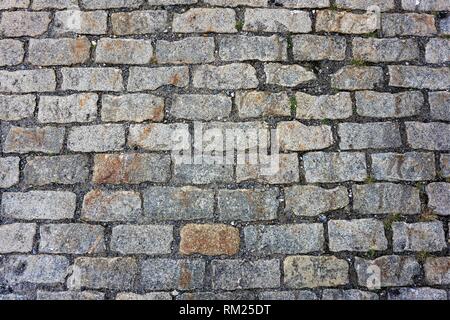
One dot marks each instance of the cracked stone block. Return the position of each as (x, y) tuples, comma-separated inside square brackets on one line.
[(287, 75), (346, 22), (231, 76)]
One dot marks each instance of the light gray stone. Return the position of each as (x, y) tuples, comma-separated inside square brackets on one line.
[(67, 109), (149, 239), (14, 108), (277, 20), (50, 52), (35, 139), (139, 22), (53, 4), (287, 75), (111, 4), (132, 107), (96, 138), (142, 78), (357, 78), (11, 52), (192, 50), (144, 297), (438, 51), (431, 5), (9, 171), (156, 136), (295, 136), (421, 294), (439, 198), (92, 79), (123, 51), (24, 81), (231, 76), (385, 50), (387, 105), (243, 48), (254, 104), (86, 22), (338, 106), (437, 271), (440, 105), (377, 135), (418, 237), (24, 23), (314, 48), (384, 5), (205, 20), (408, 24), (200, 107), (17, 237), (348, 295), (70, 295), (346, 22), (419, 77), (428, 136)]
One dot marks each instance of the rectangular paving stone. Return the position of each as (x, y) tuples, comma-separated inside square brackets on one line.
[(24, 81), (348, 295), (384, 5), (385, 198), (295, 136), (69, 295), (123, 51), (191, 50), (277, 20), (146, 297), (419, 77), (186, 203), (357, 78), (338, 106), (385, 50), (103, 273), (24, 23), (253, 104), (428, 136), (312, 272), (14, 4), (9, 171), (242, 48), (132, 107), (346, 22), (200, 106), (244, 274), (11, 52), (438, 198), (149, 239), (315, 48), (421, 294), (92, 79), (156, 136), (67, 109), (52, 4), (14, 107), (434, 5), (284, 239), (287, 75), (248, 205), (444, 25), (376, 135), (168, 274), (205, 20), (437, 271), (34, 139), (50, 52), (86, 22), (445, 165), (17, 237), (110, 4), (34, 269), (73, 238), (96, 138), (359, 235), (38, 205), (142, 78), (111, 206), (65, 169), (439, 105), (139, 22), (200, 174), (419, 237), (236, 3), (387, 105), (131, 168), (231, 76), (410, 166), (437, 51), (408, 24), (304, 3), (332, 167)]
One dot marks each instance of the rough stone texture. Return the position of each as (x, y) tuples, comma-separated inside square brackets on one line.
[(14, 4), (385, 50), (439, 198), (156, 136), (434, 5), (279, 20), (357, 78), (409, 24), (419, 77), (440, 105), (139, 22), (348, 295), (70, 295), (17, 107), (445, 165), (201, 107), (97, 138), (36, 139), (92, 79), (142, 78), (384, 5), (346, 22), (150, 239), (369, 136), (253, 104), (287, 76), (49, 52), (209, 239), (144, 297), (9, 171), (17, 237), (417, 294), (424, 236), (387, 105), (53, 4), (132, 107), (295, 136), (437, 271), (438, 51), (123, 51), (11, 52), (231, 76), (192, 50), (24, 81), (205, 20), (313, 48), (24, 23), (242, 48), (67, 109), (312, 272), (68, 22), (428, 136)]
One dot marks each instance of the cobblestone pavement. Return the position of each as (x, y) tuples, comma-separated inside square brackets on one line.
[(94, 204)]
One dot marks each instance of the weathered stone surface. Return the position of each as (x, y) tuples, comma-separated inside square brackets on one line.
[(346, 22), (132, 107), (284, 239), (67, 109), (34, 269), (43, 139), (248, 205), (70, 295), (408, 24), (80, 22), (139, 22), (96, 138), (387, 271), (123, 51), (379, 135), (419, 77), (186, 203), (428, 136), (149, 239), (42, 205), (437, 271), (199, 174), (236, 3), (419, 237), (287, 75), (438, 51), (200, 107), (295, 136), (242, 48), (439, 198), (440, 105), (12, 4), (24, 81), (92, 79), (50, 52), (131, 168), (220, 296), (142, 78), (313, 48), (231, 76), (111, 206), (445, 165), (348, 295), (357, 78), (312, 272), (444, 25), (190, 50), (357, 235), (24, 23), (209, 239), (384, 5), (388, 105), (279, 20), (70, 169), (9, 171), (16, 107), (107, 273), (109, 4), (71, 239), (13, 297), (334, 167), (155, 136), (313, 200), (304, 3), (205, 20), (385, 50), (432, 5), (144, 297), (253, 104), (417, 294), (338, 106), (384, 198), (52, 4), (244, 274), (410, 166), (17, 237), (166, 274), (11, 52)]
